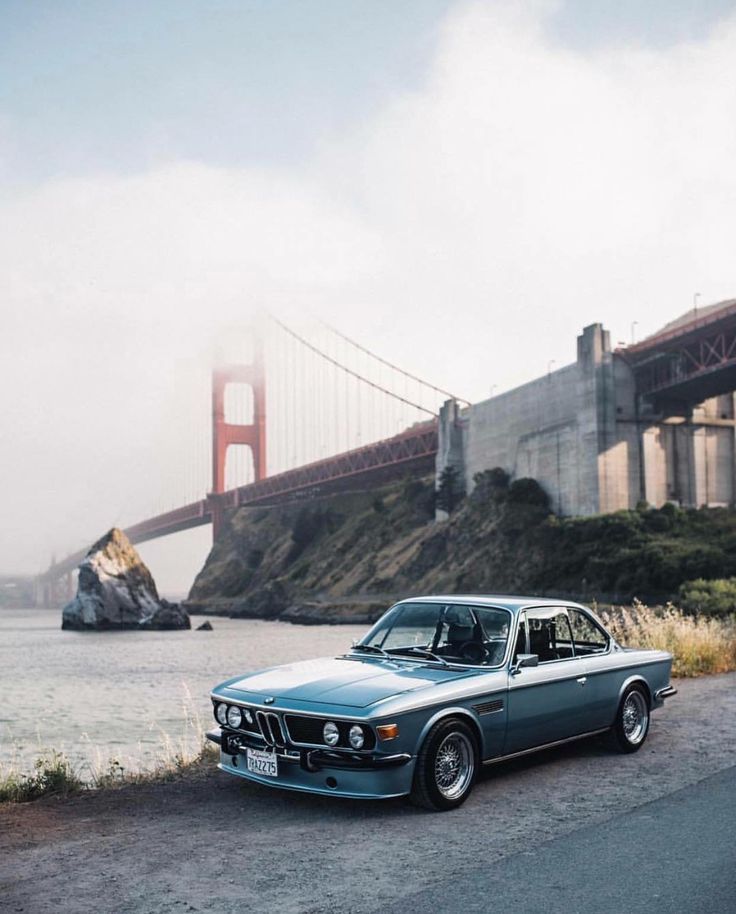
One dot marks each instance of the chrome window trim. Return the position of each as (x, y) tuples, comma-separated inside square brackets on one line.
[(597, 624), (551, 606)]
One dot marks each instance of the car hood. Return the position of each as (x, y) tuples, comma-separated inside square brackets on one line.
[(356, 683)]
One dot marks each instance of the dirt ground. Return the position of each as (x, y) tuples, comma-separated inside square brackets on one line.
[(219, 844)]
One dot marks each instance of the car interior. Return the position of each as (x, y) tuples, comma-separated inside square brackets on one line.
[(551, 637), (463, 638)]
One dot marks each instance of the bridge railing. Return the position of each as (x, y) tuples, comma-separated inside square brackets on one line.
[(416, 443)]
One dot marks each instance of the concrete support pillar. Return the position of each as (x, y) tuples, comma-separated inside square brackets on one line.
[(698, 466), (450, 446)]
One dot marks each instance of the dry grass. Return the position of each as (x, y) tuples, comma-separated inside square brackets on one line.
[(698, 644), (54, 774)]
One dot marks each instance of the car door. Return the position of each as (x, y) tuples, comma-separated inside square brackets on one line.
[(547, 702), (593, 642)]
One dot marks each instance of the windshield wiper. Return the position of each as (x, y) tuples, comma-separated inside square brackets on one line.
[(370, 647), (420, 650)]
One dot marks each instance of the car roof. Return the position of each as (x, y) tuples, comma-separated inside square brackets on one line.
[(506, 601)]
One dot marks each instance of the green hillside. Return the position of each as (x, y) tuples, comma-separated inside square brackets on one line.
[(344, 557)]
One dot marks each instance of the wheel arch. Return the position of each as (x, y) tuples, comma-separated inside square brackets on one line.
[(635, 679), (447, 714)]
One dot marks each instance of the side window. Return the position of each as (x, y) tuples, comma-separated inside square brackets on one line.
[(550, 636), (589, 637)]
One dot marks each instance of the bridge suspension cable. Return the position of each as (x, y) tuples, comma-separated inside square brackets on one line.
[(351, 372), (390, 365)]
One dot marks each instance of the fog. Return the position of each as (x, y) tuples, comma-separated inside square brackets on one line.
[(466, 229)]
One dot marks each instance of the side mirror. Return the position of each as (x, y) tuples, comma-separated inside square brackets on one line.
[(523, 660)]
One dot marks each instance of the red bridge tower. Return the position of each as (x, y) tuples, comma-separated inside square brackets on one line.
[(226, 433)]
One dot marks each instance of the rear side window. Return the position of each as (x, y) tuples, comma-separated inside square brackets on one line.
[(588, 636)]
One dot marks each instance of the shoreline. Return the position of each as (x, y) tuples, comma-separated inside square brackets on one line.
[(154, 847), (177, 768)]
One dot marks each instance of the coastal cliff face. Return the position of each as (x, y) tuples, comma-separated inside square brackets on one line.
[(345, 558), (116, 590)]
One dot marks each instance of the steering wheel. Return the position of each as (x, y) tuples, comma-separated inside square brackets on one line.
[(472, 651)]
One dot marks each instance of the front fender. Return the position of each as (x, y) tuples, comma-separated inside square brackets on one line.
[(460, 712)]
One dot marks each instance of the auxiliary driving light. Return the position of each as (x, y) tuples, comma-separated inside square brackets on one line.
[(356, 737), (221, 713), (233, 716), (330, 733)]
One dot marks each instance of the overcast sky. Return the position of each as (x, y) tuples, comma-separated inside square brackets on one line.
[(461, 186)]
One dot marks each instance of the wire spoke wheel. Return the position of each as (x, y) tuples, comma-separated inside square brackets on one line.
[(635, 717), (454, 765)]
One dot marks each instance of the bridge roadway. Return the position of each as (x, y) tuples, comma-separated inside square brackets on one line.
[(689, 360), (411, 451)]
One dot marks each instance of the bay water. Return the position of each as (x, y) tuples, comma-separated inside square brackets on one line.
[(136, 697)]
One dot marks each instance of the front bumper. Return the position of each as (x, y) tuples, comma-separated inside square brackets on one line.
[(369, 775)]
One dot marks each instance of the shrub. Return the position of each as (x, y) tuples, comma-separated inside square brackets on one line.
[(713, 598), (53, 775), (527, 491), (698, 644), (309, 525), (379, 505), (497, 478)]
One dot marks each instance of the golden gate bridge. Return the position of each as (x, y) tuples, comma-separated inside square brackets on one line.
[(303, 414)]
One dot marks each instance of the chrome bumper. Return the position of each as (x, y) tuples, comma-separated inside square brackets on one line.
[(666, 692), (312, 759), (661, 694)]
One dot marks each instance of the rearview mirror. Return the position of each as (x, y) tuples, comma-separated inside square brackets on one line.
[(523, 660)]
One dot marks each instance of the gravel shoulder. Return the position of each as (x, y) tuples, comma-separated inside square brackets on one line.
[(215, 843)]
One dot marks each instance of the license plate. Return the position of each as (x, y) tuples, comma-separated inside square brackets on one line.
[(260, 762)]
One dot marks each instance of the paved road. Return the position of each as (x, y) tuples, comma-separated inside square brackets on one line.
[(676, 855), (535, 833)]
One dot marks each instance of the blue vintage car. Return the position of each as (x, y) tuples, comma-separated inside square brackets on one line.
[(438, 687)]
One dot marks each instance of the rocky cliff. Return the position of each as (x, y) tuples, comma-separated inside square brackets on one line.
[(346, 557), (116, 590)]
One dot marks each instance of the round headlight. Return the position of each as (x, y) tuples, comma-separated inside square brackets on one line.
[(330, 733), (248, 717), (221, 713), (233, 716), (356, 736)]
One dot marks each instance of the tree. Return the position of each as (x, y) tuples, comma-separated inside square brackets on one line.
[(450, 489)]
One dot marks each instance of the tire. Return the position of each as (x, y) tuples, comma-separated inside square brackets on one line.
[(630, 729), (446, 766)]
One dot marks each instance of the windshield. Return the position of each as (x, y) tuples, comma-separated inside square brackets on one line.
[(450, 632)]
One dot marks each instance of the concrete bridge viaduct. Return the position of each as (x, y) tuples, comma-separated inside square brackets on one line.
[(652, 421)]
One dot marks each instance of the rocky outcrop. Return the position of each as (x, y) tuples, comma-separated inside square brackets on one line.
[(116, 591)]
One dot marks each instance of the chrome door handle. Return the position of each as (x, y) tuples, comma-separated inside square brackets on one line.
[(582, 680)]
